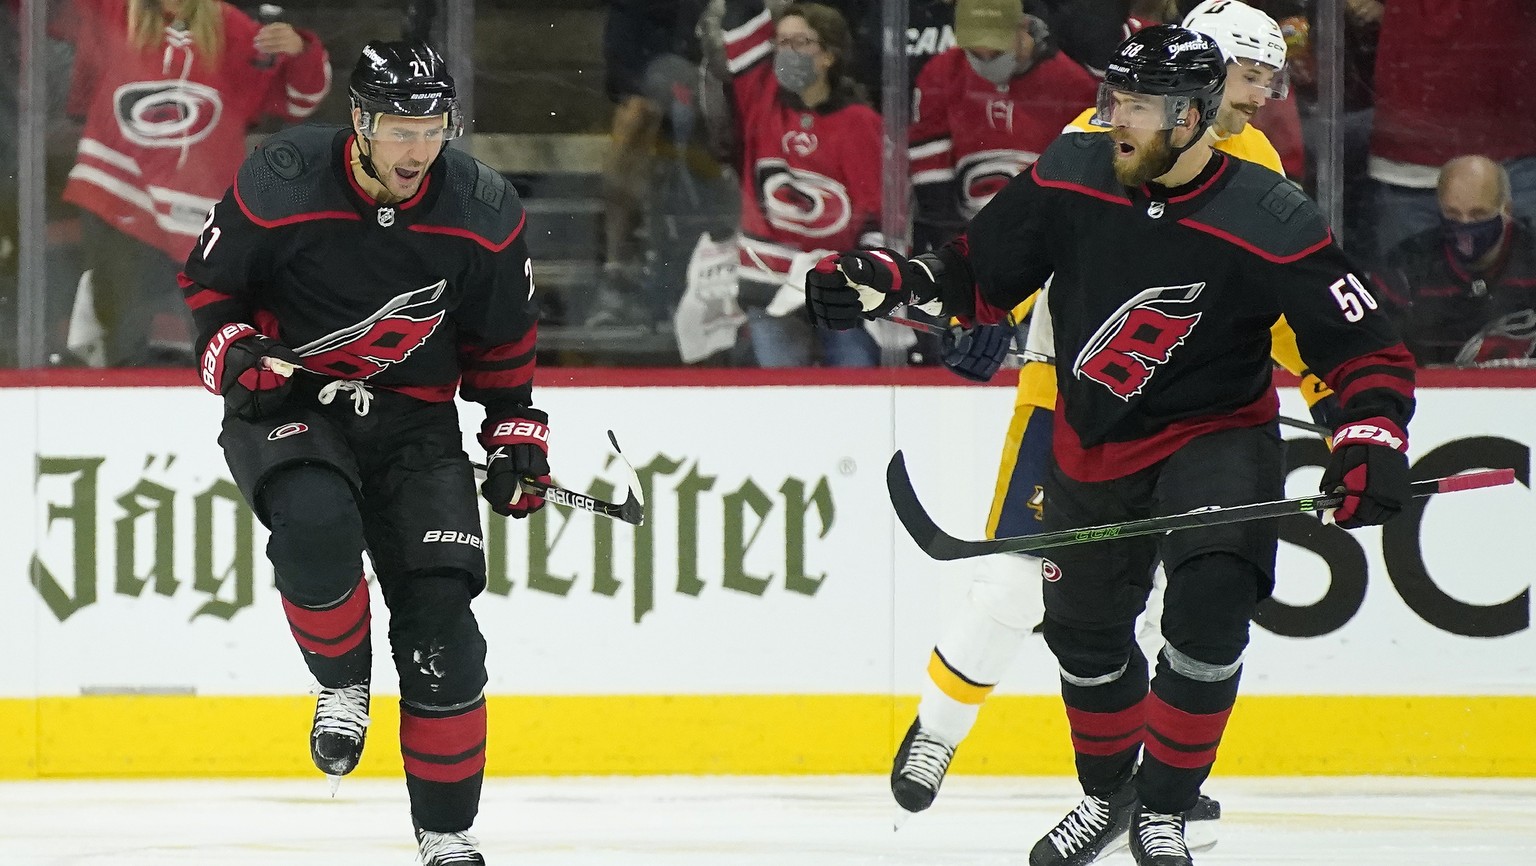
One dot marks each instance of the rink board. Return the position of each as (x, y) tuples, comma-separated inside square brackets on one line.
[(770, 618)]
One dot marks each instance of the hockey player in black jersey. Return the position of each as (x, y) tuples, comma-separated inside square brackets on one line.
[(1171, 261), (385, 273)]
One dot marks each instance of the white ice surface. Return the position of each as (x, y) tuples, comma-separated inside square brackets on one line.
[(817, 821)]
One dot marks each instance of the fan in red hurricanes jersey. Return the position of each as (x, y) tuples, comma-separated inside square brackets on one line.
[(167, 91), (347, 285), (1171, 261), (983, 111), (809, 166)]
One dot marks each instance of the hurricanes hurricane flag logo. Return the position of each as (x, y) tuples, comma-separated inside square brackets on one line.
[(387, 337), (1128, 348), (172, 113), (801, 201)]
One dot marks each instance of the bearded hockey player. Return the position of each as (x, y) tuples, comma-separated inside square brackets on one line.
[(1171, 262)]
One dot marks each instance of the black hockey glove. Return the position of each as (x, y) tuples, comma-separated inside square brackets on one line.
[(976, 353), (845, 289), (516, 448), (250, 371), (1370, 465)]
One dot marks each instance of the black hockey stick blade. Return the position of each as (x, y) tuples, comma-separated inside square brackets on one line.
[(628, 511), (940, 545)]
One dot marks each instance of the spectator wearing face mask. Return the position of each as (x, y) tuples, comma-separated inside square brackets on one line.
[(1465, 291), (1452, 77), (808, 155), (984, 110)]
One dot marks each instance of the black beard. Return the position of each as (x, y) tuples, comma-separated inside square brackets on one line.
[(1151, 161)]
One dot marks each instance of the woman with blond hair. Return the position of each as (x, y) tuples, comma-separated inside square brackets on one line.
[(168, 90)]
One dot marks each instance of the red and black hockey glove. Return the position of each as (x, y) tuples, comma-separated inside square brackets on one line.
[(845, 289), (1370, 465), (516, 448), (250, 371)]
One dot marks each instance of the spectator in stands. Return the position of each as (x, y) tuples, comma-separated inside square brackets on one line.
[(1452, 77), (809, 161), (167, 90), (1464, 292), (651, 55), (984, 110)]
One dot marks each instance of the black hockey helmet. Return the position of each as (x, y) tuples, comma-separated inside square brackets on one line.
[(1170, 61), (406, 79)]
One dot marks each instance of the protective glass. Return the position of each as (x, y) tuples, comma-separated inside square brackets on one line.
[(1138, 110), (1261, 78), (380, 126)]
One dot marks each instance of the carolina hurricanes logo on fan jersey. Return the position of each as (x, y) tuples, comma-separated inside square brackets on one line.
[(983, 174), (170, 113), (801, 201), (1511, 337), (387, 337), (1138, 338), (802, 143)]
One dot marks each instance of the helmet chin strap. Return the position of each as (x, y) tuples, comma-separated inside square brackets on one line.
[(366, 159), (1175, 152)]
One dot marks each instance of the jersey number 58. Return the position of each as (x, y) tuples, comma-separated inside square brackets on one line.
[(1353, 297)]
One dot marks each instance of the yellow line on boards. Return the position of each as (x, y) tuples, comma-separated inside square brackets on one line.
[(185, 736)]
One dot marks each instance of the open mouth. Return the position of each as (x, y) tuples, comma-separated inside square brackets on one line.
[(406, 175), (1124, 150)]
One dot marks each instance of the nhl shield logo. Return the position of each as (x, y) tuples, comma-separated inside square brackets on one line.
[(1154, 210), (386, 216)]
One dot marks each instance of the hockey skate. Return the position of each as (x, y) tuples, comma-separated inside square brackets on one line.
[(919, 768), (1094, 826), (1200, 823), (1157, 839), (448, 849), (340, 727)]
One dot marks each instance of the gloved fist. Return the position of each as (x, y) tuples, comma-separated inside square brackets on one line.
[(516, 448), (845, 289), (976, 353), (238, 364), (1370, 465)]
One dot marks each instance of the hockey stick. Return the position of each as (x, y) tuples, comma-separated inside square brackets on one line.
[(1308, 426), (942, 546), (939, 331), (631, 510)]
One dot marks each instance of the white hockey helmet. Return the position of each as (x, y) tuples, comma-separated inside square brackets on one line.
[(1243, 33)]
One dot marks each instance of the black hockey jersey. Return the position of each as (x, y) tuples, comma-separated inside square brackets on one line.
[(410, 296), (1162, 301), (1450, 315)]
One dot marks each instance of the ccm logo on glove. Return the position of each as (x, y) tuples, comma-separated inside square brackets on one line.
[(1368, 434)]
